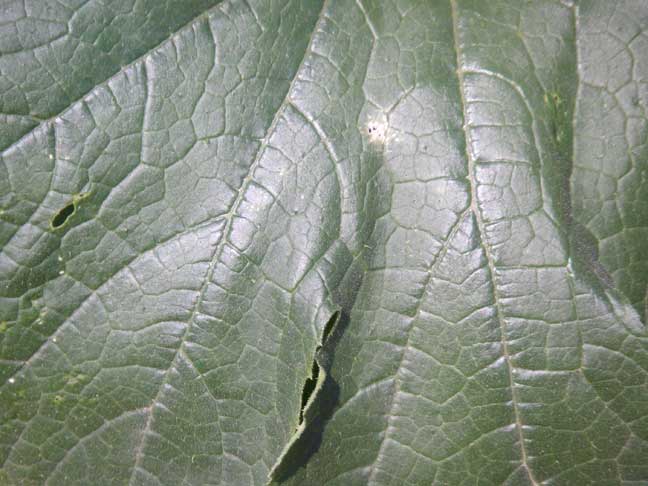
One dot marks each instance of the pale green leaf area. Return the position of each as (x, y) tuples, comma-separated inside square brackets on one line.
[(323, 243)]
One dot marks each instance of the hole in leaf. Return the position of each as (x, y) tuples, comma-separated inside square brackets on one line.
[(62, 216), (329, 326), (70, 208), (320, 397), (309, 388)]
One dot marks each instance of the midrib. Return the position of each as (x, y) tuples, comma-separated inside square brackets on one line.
[(489, 257)]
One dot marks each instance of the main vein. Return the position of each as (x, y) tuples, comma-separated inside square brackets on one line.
[(229, 218), (489, 257)]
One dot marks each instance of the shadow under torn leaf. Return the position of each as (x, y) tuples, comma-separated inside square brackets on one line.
[(318, 413)]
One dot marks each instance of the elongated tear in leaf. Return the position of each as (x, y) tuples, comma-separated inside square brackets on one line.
[(309, 388), (308, 414), (310, 384), (330, 325), (318, 388)]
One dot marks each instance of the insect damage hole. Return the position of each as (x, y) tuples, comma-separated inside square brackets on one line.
[(328, 328), (310, 385), (309, 388), (68, 210), (63, 215)]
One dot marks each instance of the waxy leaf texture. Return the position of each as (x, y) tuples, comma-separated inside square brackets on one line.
[(323, 243)]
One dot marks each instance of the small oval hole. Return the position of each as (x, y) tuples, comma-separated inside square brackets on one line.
[(62, 216)]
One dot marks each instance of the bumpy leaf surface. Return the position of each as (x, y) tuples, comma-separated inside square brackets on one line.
[(433, 214)]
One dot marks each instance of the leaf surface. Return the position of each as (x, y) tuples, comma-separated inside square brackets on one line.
[(431, 214)]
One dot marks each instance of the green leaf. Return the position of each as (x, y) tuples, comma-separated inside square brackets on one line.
[(323, 242)]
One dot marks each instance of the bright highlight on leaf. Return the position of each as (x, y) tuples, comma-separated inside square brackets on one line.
[(323, 243)]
